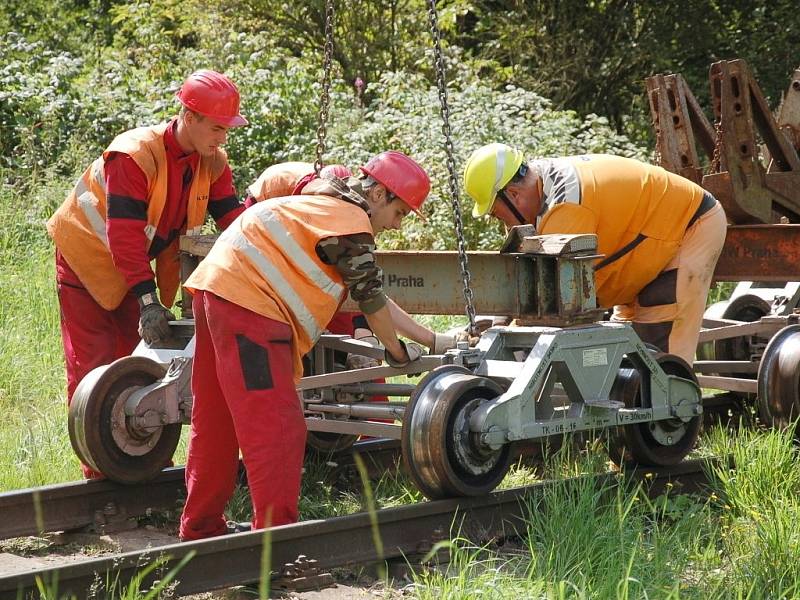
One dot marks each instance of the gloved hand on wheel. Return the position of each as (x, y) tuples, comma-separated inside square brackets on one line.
[(153, 319), (413, 352), (359, 361)]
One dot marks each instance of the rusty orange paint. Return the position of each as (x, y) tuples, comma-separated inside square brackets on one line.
[(760, 253)]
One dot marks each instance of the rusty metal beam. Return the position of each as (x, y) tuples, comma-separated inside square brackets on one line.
[(749, 193), (755, 166), (430, 283), (337, 542), (789, 112), (678, 120), (760, 253)]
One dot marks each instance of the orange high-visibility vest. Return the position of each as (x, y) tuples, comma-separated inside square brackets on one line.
[(266, 261), (279, 180), (78, 227), (637, 210)]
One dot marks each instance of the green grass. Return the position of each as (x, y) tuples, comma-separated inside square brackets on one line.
[(739, 540), (34, 446)]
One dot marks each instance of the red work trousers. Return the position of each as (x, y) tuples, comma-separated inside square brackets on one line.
[(92, 335), (244, 398)]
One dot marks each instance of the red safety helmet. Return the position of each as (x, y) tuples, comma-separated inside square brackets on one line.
[(402, 176), (213, 95)]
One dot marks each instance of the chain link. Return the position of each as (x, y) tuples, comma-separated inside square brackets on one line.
[(451, 165), (656, 126), (717, 157), (325, 97)]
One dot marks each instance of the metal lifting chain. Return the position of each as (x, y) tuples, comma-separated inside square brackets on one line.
[(716, 158), (325, 98), (451, 164)]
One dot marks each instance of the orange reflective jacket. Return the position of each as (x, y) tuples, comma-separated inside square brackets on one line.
[(638, 211), (78, 227), (267, 261), (279, 180)]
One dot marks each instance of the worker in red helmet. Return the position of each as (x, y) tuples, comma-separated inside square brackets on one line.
[(151, 185), (262, 297), (290, 179)]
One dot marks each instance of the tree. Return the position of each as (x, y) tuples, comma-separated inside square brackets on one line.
[(593, 55), (371, 36)]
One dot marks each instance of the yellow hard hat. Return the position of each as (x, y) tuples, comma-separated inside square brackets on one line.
[(488, 170)]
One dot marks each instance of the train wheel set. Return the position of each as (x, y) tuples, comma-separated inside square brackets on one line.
[(460, 425), (461, 422)]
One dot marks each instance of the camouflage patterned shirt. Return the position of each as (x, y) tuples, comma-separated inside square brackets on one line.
[(354, 255)]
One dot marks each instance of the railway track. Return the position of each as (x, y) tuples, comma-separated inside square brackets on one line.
[(338, 542), (105, 506)]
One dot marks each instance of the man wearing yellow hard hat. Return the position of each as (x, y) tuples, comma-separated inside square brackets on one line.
[(660, 233)]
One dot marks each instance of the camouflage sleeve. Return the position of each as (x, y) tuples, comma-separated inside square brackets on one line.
[(354, 258)]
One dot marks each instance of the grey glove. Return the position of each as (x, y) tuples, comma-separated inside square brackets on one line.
[(153, 319), (442, 342), (359, 361), (413, 352)]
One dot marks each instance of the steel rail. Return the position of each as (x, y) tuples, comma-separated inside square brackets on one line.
[(338, 542), (102, 504), (78, 504)]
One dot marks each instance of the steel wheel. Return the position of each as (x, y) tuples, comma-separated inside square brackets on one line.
[(748, 309), (656, 443), (779, 379), (323, 442), (102, 435), (443, 457)]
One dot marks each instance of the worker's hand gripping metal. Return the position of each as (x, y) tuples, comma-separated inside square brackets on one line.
[(153, 320), (359, 361), (413, 352), (442, 342)]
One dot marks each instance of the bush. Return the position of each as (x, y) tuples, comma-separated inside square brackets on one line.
[(405, 117), (60, 109)]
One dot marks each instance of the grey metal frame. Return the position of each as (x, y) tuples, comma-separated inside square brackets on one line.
[(585, 361)]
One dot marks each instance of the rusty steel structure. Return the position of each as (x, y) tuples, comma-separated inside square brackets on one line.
[(754, 168), (751, 342), (104, 506)]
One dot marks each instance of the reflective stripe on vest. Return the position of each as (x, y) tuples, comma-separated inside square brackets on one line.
[(88, 206), (276, 280), (99, 174), (86, 201), (293, 250)]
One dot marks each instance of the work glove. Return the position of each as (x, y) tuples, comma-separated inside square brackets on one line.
[(358, 361), (413, 352), (153, 319), (442, 342)]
